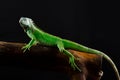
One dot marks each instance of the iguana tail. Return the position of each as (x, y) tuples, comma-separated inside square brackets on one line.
[(72, 45), (112, 64)]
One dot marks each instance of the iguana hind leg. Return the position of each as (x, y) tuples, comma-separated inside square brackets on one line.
[(71, 57), (71, 60)]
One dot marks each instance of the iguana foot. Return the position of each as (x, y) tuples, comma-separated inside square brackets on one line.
[(25, 48), (73, 64)]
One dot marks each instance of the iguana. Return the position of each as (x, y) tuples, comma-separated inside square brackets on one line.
[(39, 36)]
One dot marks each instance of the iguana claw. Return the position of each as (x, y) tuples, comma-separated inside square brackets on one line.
[(25, 48)]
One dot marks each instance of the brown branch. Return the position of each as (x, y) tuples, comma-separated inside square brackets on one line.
[(49, 58)]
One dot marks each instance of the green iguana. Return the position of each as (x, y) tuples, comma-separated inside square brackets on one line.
[(41, 37)]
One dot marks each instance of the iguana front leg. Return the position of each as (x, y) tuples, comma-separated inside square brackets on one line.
[(71, 57), (28, 46)]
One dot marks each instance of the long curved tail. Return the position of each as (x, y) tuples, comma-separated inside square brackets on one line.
[(112, 64), (79, 47)]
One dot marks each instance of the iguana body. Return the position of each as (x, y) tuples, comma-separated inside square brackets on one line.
[(39, 36)]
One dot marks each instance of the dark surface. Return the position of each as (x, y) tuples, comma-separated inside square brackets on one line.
[(49, 60), (92, 23)]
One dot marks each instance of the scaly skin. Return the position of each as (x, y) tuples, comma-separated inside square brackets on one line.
[(39, 36)]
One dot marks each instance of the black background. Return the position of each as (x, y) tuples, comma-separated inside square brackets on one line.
[(92, 23)]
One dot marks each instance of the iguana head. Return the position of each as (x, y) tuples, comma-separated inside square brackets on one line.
[(26, 23)]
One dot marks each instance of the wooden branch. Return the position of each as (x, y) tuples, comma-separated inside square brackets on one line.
[(49, 58)]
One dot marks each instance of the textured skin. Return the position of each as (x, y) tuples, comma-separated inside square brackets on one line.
[(41, 37)]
